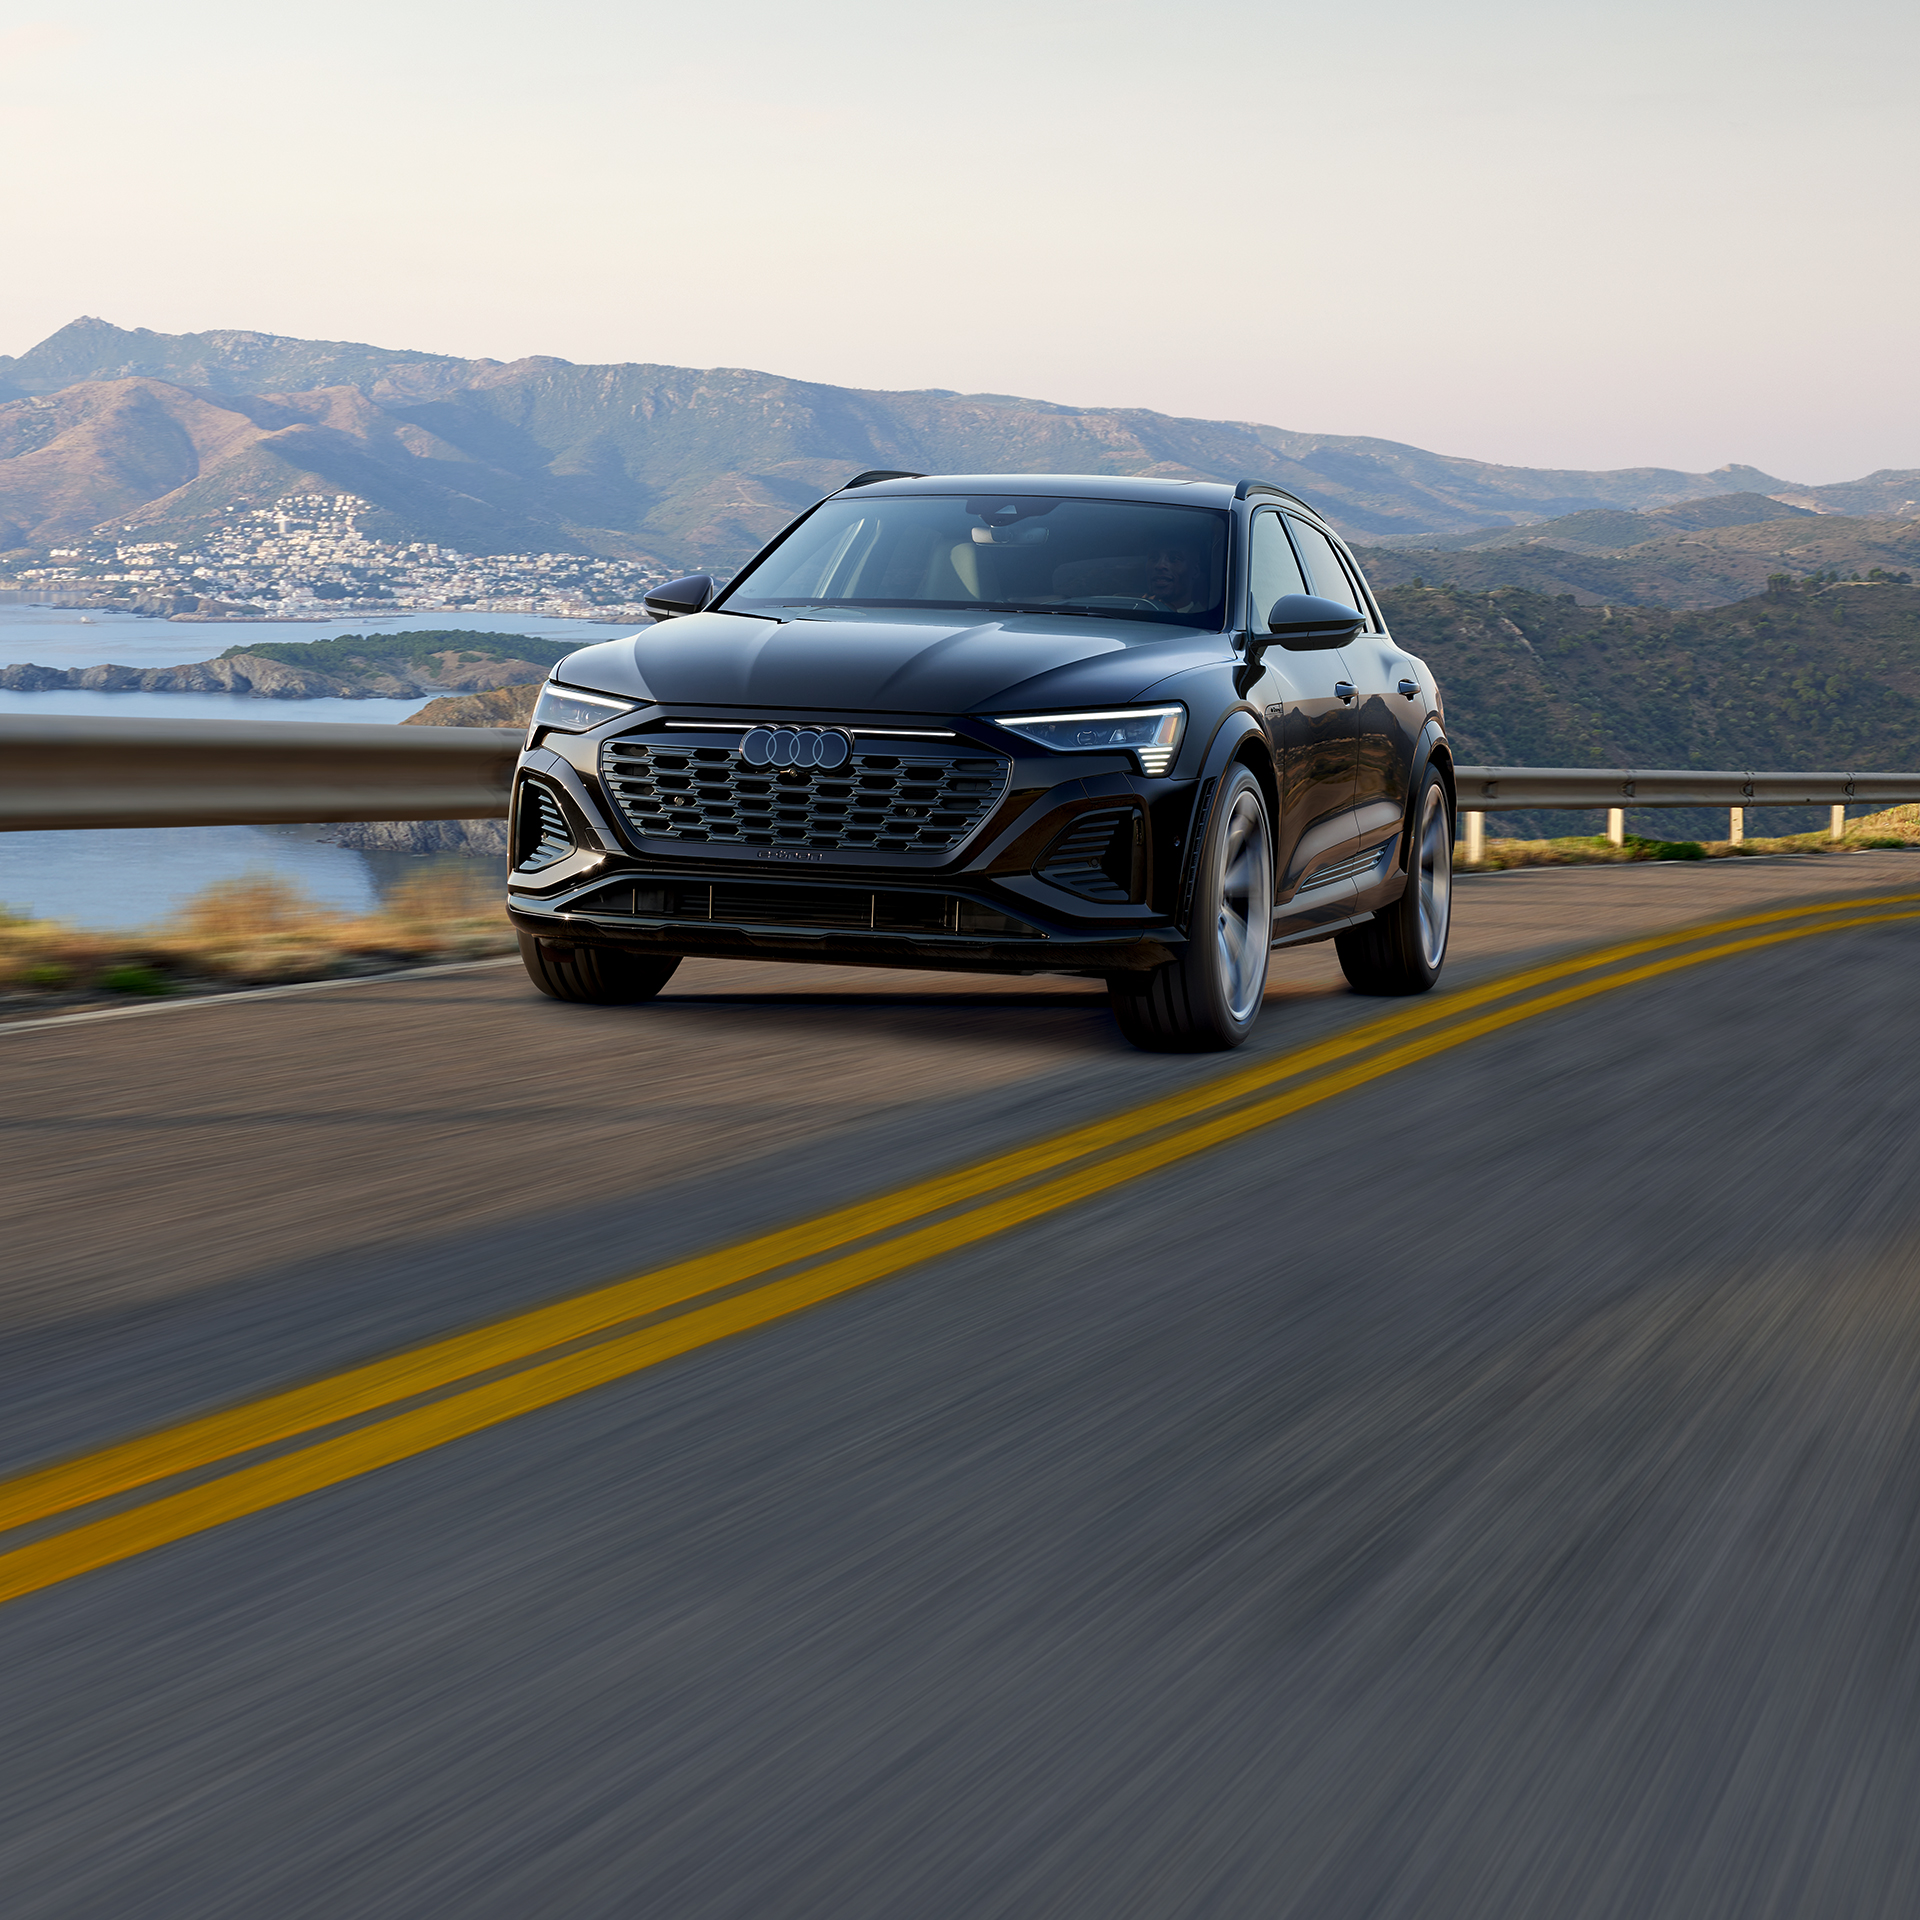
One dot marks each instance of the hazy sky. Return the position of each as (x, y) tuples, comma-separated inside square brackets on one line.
[(1672, 234)]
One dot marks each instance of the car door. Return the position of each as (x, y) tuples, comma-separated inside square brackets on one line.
[(1311, 723), (1383, 746), (1392, 712)]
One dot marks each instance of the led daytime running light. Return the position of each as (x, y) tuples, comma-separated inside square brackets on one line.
[(565, 711), (1151, 733)]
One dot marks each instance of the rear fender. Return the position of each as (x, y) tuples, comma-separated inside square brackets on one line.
[(1432, 751)]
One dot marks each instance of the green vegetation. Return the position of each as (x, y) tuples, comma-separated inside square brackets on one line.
[(351, 653), (1895, 827), (1799, 677), (137, 979)]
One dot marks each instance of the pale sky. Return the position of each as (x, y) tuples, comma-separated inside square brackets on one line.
[(1674, 234)]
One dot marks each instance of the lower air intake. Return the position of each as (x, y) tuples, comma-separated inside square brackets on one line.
[(544, 836), (1098, 857)]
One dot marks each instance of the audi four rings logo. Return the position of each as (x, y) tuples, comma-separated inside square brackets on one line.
[(823, 747)]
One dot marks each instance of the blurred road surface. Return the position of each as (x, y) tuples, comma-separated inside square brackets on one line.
[(1492, 1492)]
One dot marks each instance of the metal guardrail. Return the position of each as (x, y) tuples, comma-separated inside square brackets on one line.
[(71, 771), (1511, 789), (1485, 790), (62, 771)]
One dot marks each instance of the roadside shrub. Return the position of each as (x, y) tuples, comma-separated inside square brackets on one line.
[(1665, 849), (1883, 840), (49, 975), (136, 979)]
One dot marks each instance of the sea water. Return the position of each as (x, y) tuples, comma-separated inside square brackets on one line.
[(94, 637), (128, 877)]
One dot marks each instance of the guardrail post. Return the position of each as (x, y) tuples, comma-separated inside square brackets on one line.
[(1476, 838), (1617, 825), (1736, 826), (1837, 823)]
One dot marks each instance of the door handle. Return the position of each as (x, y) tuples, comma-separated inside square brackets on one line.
[(1343, 689), (1411, 688)]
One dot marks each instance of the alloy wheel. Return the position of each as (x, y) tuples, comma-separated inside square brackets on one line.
[(1435, 877), (1244, 927)]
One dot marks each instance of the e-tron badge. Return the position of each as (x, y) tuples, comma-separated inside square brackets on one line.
[(822, 747)]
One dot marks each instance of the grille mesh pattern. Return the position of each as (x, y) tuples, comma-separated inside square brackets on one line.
[(890, 797), (544, 834)]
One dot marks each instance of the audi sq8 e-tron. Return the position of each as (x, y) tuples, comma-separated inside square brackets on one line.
[(1140, 730)]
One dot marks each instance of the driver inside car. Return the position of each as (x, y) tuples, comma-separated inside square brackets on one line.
[(1172, 580)]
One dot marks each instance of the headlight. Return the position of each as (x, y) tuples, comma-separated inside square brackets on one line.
[(568, 712), (1151, 732)]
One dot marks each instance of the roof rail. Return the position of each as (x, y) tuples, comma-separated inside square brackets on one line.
[(880, 473), (1266, 486)]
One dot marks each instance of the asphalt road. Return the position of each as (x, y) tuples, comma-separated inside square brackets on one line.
[(1491, 1492)]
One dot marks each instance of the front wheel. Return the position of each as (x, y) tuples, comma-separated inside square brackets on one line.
[(598, 976), (1402, 948), (1210, 997)]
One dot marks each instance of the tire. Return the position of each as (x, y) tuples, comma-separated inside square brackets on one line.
[(1209, 998), (1403, 947), (598, 976)]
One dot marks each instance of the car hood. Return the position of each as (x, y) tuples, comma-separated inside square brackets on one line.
[(891, 662)]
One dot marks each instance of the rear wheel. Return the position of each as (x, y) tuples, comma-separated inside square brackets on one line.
[(1402, 948), (600, 976), (1210, 997)]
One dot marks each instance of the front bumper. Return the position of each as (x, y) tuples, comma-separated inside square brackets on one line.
[(1001, 901)]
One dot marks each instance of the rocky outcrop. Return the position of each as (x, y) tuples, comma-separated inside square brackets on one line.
[(502, 707), (424, 836), (254, 676), (244, 673), (498, 707)]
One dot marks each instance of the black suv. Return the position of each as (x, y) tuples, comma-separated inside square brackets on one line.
[(1143, 730)]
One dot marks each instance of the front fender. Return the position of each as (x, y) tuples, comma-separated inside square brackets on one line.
[(1239, 736)]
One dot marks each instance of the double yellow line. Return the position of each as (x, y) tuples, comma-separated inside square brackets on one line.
[(121, 1500)]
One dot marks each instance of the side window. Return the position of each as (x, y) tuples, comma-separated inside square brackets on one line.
[(1330, 579), (1272, 570)]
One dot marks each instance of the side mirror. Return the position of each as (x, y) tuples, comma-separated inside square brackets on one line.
[(679, 597), (1304, 623)]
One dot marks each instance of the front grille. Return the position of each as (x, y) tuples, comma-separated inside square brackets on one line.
[(544, 835), (832, 909), (921, 797)]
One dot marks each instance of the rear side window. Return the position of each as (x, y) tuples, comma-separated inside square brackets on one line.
[(1272, 570), (1330, 578)]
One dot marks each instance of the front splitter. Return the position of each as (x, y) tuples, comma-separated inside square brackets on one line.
[(837, 947)]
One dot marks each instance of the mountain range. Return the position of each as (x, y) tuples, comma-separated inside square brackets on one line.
[(1656, 559), (104, 427)]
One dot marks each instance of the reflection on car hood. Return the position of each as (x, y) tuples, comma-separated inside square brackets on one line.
[(891, 663)]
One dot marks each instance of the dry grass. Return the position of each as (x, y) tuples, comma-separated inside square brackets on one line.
[(1898, 826), (256, 930)]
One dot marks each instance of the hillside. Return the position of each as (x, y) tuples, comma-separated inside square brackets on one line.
[(1799, 677), (501, 707), (378, 666), (162, 432), (1608, 529), (1703, 568)]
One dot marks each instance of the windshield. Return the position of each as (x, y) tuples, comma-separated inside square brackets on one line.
[(999, 553)]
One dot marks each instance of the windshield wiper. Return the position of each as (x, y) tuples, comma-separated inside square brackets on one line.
[(1014, 606)]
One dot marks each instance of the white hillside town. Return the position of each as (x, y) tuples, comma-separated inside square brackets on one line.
[(304, 558)]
